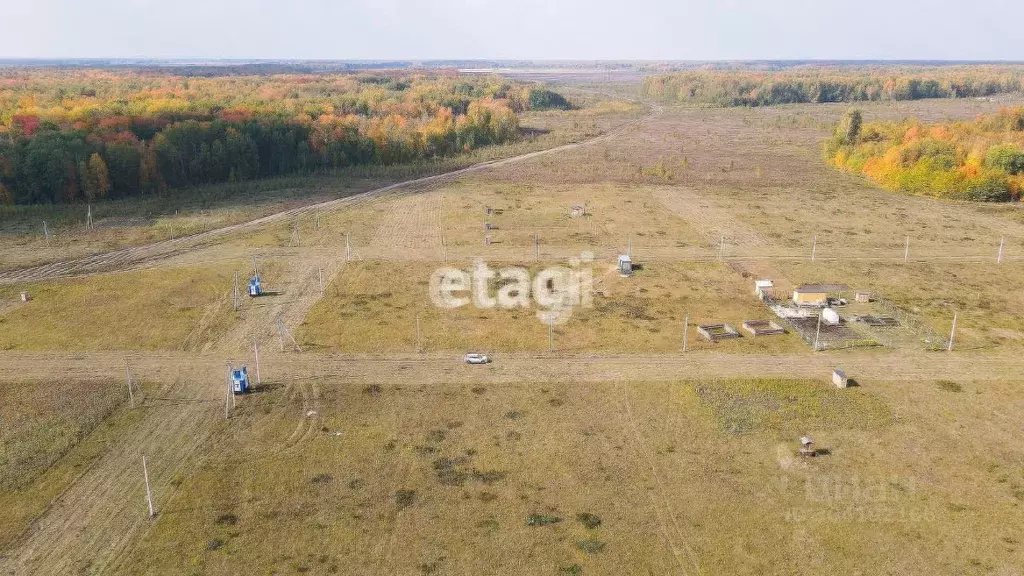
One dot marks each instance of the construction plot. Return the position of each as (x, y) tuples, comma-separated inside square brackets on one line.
[(763, 328), (716, 332)]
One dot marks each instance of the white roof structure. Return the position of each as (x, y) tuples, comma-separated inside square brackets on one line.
[(764, 284), (806, 440)]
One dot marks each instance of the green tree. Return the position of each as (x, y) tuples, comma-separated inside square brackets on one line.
[(849, 128)]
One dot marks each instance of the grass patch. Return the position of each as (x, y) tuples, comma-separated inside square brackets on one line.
[(175, 308), (788, 406), (51, 433), (373, 307)]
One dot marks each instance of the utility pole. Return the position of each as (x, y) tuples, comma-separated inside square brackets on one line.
[(348, 249), (817, 332), (419, 343), (128, 374), (721, 249), (951, 334), (629, 247), (536, 247), (686, 328), (814, 247), (256, 351), (149, 491), (88, 217), (46, 232), (318, 219), (551, 336), (906, 251), (999, 258), (228, 394), (320, 272), (255, 268), (235, 290)]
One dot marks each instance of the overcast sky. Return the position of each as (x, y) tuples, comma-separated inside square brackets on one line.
[(514, 29)]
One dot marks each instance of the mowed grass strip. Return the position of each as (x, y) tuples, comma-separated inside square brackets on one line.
[(373, 306), (170, 308)]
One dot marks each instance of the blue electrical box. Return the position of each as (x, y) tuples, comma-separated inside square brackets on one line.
[(240, 381)]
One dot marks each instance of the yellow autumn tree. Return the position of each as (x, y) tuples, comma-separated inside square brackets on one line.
[(96, 178)]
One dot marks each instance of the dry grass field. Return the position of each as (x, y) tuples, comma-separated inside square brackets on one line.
[(372, 307), (143, 310), (608, 478), (50, 434), (615, 454)]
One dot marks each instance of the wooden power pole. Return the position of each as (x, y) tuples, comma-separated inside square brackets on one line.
[(149, 491)]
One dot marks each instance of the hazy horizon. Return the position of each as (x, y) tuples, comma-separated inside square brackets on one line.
[(646, 30)]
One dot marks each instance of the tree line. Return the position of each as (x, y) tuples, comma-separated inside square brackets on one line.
[(979, 160), (70, 136), (825, 84)]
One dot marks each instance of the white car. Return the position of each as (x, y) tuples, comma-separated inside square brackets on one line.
[(472, 358)]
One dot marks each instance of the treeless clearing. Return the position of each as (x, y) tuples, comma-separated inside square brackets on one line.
[(688, 459)]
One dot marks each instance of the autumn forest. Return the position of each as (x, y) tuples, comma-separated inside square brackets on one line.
[(85, 135), (980, 160)]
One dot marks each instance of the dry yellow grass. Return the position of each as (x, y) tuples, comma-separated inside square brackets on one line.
[(446, 479), (51, 433), (148, 309), (372, 307)]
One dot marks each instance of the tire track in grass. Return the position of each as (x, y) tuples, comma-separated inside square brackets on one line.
[(674, 537)]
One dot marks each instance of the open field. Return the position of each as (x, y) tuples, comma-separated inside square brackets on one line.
[(458, 478), (52, 433), (154, 309), (362, 455), (373, 306)]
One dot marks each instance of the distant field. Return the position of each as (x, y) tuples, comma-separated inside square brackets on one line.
[(609, 478)]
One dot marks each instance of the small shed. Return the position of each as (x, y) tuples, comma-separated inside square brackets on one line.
[(863, 297), (816, 294), (763, 287), (839, 378), (625, 265), (577, 211), (255, 287), (25, 296)]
